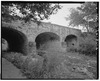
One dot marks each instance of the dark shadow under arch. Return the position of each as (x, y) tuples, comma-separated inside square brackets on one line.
[(17, 40), (71, 40), (45, 37)]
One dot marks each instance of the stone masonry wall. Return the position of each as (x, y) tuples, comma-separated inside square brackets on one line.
[(32, 29)]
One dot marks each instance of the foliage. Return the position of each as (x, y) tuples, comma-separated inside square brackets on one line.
[(59, 67), (86, 16), (87, 49), (72, 49), (88, 45), (28, 10)]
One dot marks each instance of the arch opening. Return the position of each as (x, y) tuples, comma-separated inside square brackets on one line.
[(17, 40), (45, 37), (71, 41)]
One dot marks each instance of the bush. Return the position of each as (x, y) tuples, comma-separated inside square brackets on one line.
[(87, 44), (87, 48), (72, 49)]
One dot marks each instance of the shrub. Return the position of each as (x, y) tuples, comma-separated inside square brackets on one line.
[(88, 47), (72, 49)]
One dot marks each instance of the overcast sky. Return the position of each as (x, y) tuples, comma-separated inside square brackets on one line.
[(59, 18)]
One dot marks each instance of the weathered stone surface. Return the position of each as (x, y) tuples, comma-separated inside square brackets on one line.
[(32, 30)]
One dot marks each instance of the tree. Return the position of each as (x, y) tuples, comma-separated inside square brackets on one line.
[(86, 16), (28, 11)]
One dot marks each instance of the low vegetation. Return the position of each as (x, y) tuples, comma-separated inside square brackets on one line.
[(89, 45), (61, 66)]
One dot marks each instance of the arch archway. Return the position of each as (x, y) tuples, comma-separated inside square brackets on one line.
[(17, 40), (71, 41), (45, 37)]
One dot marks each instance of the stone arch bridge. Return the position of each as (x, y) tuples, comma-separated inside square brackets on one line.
[(18, 34)]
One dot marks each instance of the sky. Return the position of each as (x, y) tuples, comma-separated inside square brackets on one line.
[(59, 18)]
